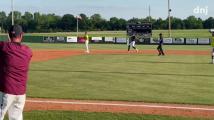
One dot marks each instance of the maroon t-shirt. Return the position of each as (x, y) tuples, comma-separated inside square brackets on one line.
[(14, 64)]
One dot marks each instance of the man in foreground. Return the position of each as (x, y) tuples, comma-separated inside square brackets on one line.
[(14, 64)]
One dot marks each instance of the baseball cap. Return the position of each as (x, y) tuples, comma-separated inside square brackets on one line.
[(15, 31)]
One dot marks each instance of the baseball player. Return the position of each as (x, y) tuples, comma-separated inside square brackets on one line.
[(160, 44), (87, 42), (212, 44), (132, 43), (14, 64)]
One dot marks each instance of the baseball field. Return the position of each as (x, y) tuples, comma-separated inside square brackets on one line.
[(112, 84), (65, 83)]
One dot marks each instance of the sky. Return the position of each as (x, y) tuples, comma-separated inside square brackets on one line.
[(115, 8)]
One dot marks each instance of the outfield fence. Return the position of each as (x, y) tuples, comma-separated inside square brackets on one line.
[(112, 40), (122, 40)]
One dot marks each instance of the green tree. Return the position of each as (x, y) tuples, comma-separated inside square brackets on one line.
[(160, 24), (3, 19), (84, 23), (209, 23), (177, 23), (68, 23), (97, 22), (193, 23), (117, 24), (134, 20), (114, 23)]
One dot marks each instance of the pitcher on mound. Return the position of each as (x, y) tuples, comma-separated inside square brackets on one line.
[(87, 42)]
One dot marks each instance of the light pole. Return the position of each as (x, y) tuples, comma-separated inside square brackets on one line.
[(78, 17), (77, 26), (12, 11), (169, 17), (149, 13)]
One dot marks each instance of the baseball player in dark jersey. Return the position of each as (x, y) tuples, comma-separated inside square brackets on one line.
[(212, 44), (160, 45), (14, 65), (132, 43)]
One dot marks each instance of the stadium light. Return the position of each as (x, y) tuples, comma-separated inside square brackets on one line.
[(169, 17), (12, 11)]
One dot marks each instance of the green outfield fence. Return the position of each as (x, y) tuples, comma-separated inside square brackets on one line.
[(31, 39), (3, 37)]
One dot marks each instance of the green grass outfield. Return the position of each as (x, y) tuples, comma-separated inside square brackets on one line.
[(149, 78), (194, 33), (59, 115), (74, 46)]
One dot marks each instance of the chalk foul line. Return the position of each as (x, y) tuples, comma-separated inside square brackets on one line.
[(122, 105)]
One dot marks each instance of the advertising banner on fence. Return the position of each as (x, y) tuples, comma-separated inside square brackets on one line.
[(121, 40), (167, 40), (144, 41), (109, 39), (178, 41), (154, 41), (203, 41), (191, 41), (60, 40), (96, 39), (71, 39), (49, 39), (81, 39)]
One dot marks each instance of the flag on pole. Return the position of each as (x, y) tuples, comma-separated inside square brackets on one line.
[(79, 17)]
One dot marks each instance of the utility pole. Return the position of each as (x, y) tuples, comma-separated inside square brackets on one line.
[(169, 17), (12, 11), (77, 25), (149, 14)]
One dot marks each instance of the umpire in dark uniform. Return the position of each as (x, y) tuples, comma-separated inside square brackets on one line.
[(160, 44)]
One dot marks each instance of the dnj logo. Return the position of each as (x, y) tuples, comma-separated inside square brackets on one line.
[(201, 10)]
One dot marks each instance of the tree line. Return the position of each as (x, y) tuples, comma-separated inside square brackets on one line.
[(37, 22)]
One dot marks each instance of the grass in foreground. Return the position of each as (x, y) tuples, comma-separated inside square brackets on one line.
[(59, 115), (149, 78)]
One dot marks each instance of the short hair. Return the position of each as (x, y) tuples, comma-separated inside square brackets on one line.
[(15, 31)]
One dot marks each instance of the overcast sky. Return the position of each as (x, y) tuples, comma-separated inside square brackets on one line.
[(113, 8)]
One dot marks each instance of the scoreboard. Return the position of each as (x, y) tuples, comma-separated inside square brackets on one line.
[(141, 31)]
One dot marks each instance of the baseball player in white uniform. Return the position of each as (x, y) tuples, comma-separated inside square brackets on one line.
[(132, 43)]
